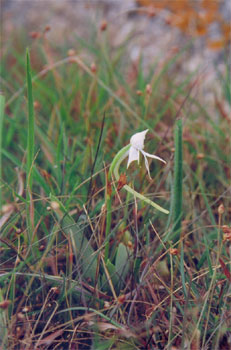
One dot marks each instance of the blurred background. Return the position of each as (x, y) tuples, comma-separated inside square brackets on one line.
[(156, 26)]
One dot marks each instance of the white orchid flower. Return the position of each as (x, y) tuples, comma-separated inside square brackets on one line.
[(137, 146)]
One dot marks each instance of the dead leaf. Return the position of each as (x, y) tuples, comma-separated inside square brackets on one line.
[(50, 338), (225, 270), (122, 182)]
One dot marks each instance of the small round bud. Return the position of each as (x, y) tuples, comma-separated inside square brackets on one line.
[(106, 305), (200, 156), (139, 92), (18, 330), (42, 247), (93, 67), (26, 309), (34, 35), (148, 89), (71, 52), (47, 29), (4, 304), (54, 205), (130, 245), (174, 251), (121, 299), (221, 209), (36, 105), (18, 231)]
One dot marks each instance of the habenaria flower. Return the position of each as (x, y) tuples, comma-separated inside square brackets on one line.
[(137, 146)]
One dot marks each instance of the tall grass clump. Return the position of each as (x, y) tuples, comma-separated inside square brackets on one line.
[(90, 257)]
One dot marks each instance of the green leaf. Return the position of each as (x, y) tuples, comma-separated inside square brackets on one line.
[(86, 258), (122, 262)]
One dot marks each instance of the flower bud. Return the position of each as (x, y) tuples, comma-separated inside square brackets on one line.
[(200, 156), (148, 89), (221, 209), (139, 92), (93, 67), (36, 105), (103, 25), (173, 251), (71, 52)]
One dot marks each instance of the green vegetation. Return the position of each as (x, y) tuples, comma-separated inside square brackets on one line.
[(85, 264)]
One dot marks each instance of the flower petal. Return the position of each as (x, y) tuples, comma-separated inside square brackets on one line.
[(153, 156), (137, 140), (146, 163), (133, 155)]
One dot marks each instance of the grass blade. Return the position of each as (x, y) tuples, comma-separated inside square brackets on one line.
[(30, 143), (178, 176), (2, 106)]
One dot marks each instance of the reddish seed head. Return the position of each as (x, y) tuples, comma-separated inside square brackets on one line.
[(103, 25), (121, 299), (139, 92), (93, 67), (174, 251), (4, 304), (47, 29), (36, 105), (34, 35), (42, 248)]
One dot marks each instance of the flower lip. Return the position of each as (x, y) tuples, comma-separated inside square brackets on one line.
[(137, 145)]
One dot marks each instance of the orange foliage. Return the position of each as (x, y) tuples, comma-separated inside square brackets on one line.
[(193, 18), (216, 44)]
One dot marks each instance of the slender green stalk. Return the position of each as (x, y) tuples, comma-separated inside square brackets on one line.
[(171, 305), (30, 144), (178, 176), (114, 169), (120, 155), (177, 196), (2, 106)]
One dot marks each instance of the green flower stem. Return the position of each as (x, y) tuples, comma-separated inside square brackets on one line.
[(120, 156), (114, 169)]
